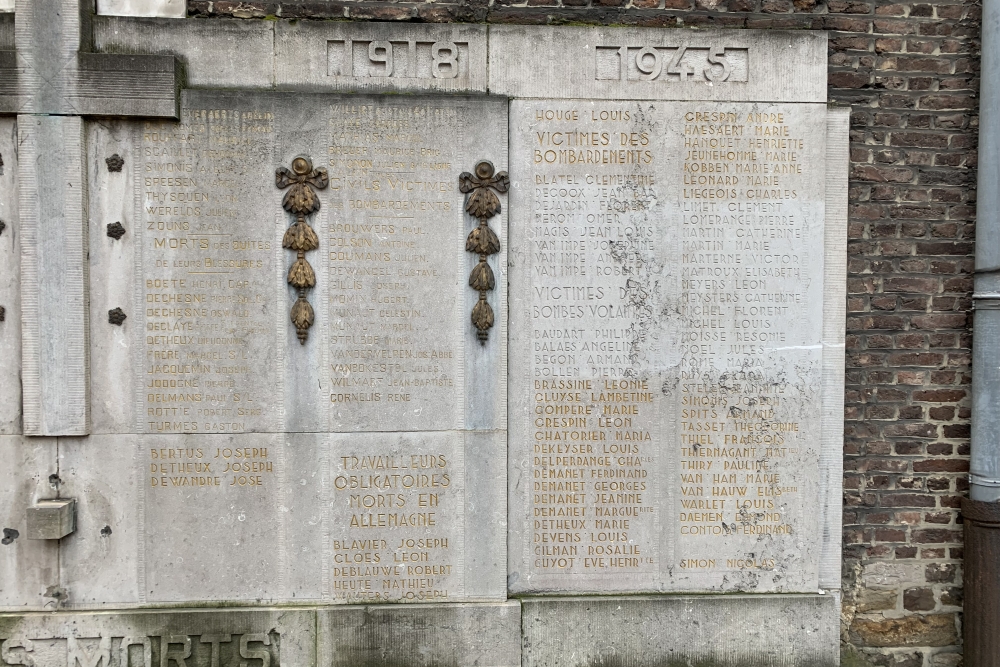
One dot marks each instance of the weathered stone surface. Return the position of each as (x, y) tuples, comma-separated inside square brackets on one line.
[(586, 63), (831, 456), (916, 630), (380, 57), (28, 568), (763, 630), (670, 339), (165, 8), (10, 292), (877, 600), (55, 327), (223, 421), (421, 635), (366, 465), (54, 72), (224, 54), (112, 265), (100, 564), (192, 637)]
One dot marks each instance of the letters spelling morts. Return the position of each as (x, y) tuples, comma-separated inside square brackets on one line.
[(172, 648)]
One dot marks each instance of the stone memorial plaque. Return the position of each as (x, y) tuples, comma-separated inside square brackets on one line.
[(305, 376), (667, 291), (288, 328)]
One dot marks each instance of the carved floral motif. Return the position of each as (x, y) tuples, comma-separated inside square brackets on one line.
[(483, 203), (301, 200)]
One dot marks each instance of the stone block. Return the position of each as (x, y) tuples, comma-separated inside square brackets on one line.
[(736, 631), (380, 57), (831, 457), (111, 84), (176, 9), (28, 568), (10, 285), (221, 53), (54, 276), (915, 630), (51, 519), (54, 72), (113, 382), (100, 562), (421, 635), (197, 638), (309, 466), (597, 62), (665, 290)]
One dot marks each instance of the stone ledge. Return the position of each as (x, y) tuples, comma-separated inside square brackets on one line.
[(664, 631)]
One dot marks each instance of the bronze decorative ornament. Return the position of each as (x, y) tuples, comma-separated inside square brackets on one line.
[(301, 200), (115, 162), (482, 204), (116, 230)]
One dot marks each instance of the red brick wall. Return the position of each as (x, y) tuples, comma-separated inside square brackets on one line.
[(910, 73)]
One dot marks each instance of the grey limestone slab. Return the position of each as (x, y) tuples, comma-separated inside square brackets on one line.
[(221, 53), (112, 261), (199, 638), (414, 518), (53, 71), (176, 9), (421, 635), (210, 301), (228, 437), (729, 631), (100, 561), (54, 276), (646, 63), (380, 57), (667, 334), (834, 314), (10, 288), (28, 568)]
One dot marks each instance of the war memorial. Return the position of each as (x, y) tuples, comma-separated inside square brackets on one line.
[(355, 343)]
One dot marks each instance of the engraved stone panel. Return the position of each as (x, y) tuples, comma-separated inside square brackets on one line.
[(644, 63), (187, 637), (380, 56), (667, 315), (357, 462)]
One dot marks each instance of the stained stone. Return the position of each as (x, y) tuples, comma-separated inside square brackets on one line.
[(164, 8), (28, 567), (53, 280), (297, 410), (195, 638), (235, 427), (770, 630), (675, 291), (644, 63), (10, 293)]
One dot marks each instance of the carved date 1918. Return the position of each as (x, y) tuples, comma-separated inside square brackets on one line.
[(410, 59)]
